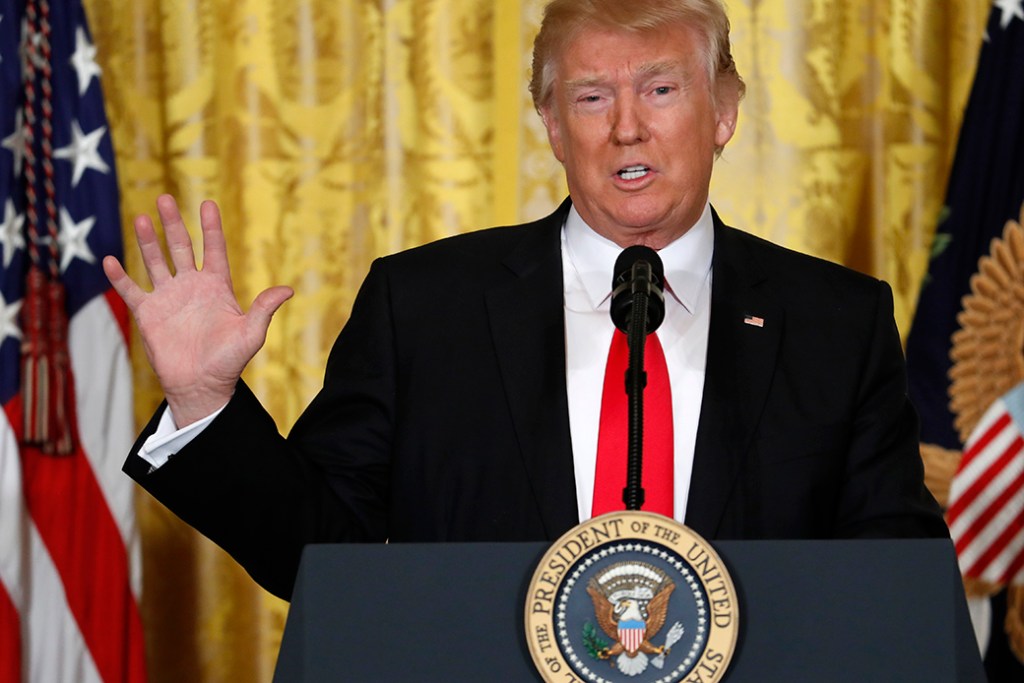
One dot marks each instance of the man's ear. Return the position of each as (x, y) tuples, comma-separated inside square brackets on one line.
[(551, 124), (727, 111)]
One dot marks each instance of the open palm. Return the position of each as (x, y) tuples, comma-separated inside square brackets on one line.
[(197, 337)]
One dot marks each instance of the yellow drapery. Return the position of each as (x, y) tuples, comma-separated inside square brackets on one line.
[(333, 131)]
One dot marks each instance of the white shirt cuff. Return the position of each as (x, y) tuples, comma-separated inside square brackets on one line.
[(168, 439)]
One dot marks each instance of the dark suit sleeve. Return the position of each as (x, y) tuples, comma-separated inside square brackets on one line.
[(262, 497), (883, 493)]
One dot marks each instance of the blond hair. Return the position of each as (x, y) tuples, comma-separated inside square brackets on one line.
[(565, 19)]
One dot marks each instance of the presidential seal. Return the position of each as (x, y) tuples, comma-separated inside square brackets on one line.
[(631, 597)]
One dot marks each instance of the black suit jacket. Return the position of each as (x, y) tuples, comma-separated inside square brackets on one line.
[(444, 415)]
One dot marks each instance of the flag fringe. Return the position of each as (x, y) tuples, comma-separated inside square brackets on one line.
[(1015, 620), (46, 367)]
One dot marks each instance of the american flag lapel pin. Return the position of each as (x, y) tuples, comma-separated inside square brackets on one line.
[(753, 320)]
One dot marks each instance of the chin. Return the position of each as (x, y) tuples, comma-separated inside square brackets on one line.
[(655, 229), (639, 219)]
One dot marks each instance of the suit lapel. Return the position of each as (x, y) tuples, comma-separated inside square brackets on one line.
[(527, 324), (746, 326)]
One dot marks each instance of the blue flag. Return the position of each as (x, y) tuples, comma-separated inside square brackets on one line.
[(986, 189)]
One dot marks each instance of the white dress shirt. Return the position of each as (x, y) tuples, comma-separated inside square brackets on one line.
[(587, 263)]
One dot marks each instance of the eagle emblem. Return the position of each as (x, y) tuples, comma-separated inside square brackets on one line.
[(620, 598), (630, 603)]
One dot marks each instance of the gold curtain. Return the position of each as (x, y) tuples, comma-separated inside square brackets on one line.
[(334, 131)]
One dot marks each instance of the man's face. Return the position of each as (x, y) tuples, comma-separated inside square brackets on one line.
[(634, 123)]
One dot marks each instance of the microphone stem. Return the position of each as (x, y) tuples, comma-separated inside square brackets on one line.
[(636, 381)]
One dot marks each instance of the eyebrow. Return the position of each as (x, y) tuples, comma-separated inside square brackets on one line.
[(659, 68), (643, 71)]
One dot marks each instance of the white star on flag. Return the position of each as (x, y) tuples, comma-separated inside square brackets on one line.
[(1010, 9), (9, 319), (11, 238), (16, 141), (83, 152), (84, 60), (72, 239)]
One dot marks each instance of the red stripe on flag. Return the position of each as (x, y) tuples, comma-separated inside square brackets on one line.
[(74, 522), (994, 508), (966, 498), (10, 640), (997, 546), (986, 438)]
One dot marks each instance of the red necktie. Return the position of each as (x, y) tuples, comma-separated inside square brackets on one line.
[(658, 471)]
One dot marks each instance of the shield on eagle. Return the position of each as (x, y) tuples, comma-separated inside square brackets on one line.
[(631, 634)]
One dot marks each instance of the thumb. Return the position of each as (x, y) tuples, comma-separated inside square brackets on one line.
[(265, 305)]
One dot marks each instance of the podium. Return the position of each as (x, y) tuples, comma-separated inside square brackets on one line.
[(836, 611)]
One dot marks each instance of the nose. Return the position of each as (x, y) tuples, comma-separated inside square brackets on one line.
[(629, 126)]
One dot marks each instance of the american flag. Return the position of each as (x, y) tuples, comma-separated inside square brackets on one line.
[(69, 560), (986, 513)]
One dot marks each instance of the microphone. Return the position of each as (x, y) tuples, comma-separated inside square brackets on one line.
[(638, 307), (638, 269)]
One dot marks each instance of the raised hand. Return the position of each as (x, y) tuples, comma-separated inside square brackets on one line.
[(196, 336)]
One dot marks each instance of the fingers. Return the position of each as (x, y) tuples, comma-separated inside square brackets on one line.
[(263, 308), (179, 244), (215, 252), (152, 255), (125, 287)]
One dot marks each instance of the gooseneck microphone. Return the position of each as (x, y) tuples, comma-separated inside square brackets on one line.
[(638, 308)]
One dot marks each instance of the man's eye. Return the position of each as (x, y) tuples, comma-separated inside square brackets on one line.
[(590, 98), (663, 90)]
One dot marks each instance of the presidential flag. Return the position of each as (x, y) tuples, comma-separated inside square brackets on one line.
[(69, 560), (953, 386), (986, 188)]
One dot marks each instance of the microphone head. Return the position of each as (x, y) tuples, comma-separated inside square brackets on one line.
[(638, 267)]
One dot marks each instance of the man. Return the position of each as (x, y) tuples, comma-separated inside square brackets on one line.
[(462, 400)]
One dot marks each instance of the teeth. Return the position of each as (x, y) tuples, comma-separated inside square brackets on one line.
[(633, 172)]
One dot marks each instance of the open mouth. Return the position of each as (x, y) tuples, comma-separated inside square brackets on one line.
[(633, 172)]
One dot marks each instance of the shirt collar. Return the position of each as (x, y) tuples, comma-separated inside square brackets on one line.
[(687, 260)]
